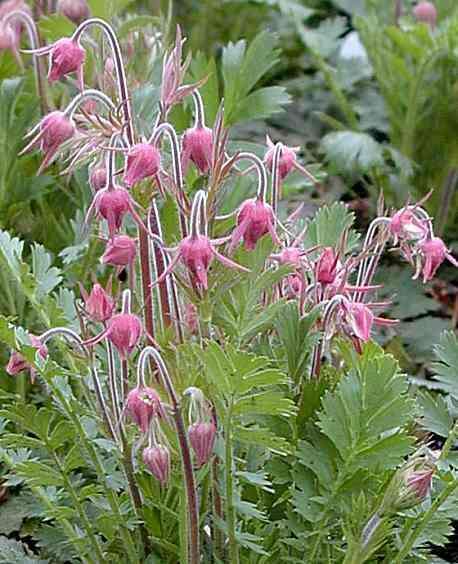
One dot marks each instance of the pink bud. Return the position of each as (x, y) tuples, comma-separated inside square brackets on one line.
[(198, 147), (419, 482), (202, 438), (120, 251), (17, 363), (9, 39), (98, 178), (254, 219), (405, 225), (55, 129), (143, 161), (434, 253), (326, 266), (157, 459), (66, 56), (290, 255), (74, 10), (10, 34), (124, 331), (197, 255), (426, 12), (113, 204), (99, 305), (286, 161), (142, 405), (359, 318)]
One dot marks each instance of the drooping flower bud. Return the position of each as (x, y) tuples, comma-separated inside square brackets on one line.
[(10, 32), (433, 252), (143, 161), (157, 459), (254, 219), (66, 56), (287, 159), (17, 363), (124, 331), (326, 266), (99, 305), (120, 251), (9, 39), (197, 255), (359, 319), (112, 204), (202, 437), (198, 147), (142, 405), (426, 12), (405, 225), (98, 178), (74, 10)]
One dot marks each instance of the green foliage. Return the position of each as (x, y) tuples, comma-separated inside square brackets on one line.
[(352, 152), (329, 224)]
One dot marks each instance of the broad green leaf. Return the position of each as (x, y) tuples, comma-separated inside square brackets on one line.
[(350, 152), (446, 367), (435, 416), (324, 39), (261, 103), (328, 225)]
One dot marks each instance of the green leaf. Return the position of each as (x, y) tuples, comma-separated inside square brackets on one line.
[(446, 367), (435, 414), (328, 225), (47, 276), (350, 152), (261, 104), (14, 511), (14, 552), (260, 57), (137, 23), (324, 39)]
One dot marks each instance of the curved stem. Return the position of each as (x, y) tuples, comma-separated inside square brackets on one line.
[(32, 32), (90, 94), (331, 306), (261, 170), (276, 177), (199, 117)]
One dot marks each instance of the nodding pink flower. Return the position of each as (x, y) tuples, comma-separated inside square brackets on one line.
[(289, 255), (419, 482), (98, 178), (75, 10), (99, 304), (53, 130), (405, 225), (287, 161), (432, 254), (359, 319), (198, 148), (120, 251), (157, 459), (112, 204), (9, 39), (202, 437), (17, 363), (294, 283), (124, 331), (143, 161), (10, 33), (197, 255), (255, 218), (66, 56), (426, 12), (142, 404), (326, 267)]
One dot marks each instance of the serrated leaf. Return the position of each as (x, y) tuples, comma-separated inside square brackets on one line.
[(14, 552), (261, 104), (435, 416), (446, 368), (327, 226), (350, 152), (47, 276), (324, 39)]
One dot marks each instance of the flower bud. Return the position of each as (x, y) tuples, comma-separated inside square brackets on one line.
[(326, 266), (9, 39), (286, 161), (290, 255), (55, 128), (113, 204), (198, 147), (143, 161), (124, 331), (17, 363), (202, 437), (66, 56), (157, 459), (74, 10), (359, 319), (120, 251), (405, 225), (10, 33), (142, 405), (99, 305), (433, 252), (98, 178), (254, 219), (426, 12), (197, 255)]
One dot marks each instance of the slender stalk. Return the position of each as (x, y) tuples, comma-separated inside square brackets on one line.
[(217, 510), (230, 509), (446, 198)]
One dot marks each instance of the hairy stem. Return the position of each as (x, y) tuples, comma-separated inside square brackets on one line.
[(230, 509)]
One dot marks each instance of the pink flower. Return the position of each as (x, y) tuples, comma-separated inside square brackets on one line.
[(66, 56), (157, 459), (74, 10), (10, 32), (202, 437), (255, 218), (326, 266), (143, 161), (98, 178), (9, 39), (99, 304), (358, 319), (142, 404), (198, 147), (426, 12), (419, 482), (112, 204), (53, 130), (405, 225), (17, 363), (294, 283), (124, 331), (433, 252), (120, 251), (287, 162)]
